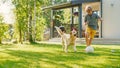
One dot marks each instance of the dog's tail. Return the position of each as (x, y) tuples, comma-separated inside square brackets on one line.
[(59, 30)]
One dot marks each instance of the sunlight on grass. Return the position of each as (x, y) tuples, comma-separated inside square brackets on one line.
[(51, 56)]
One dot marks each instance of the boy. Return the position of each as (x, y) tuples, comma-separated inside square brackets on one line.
[(91, 23)]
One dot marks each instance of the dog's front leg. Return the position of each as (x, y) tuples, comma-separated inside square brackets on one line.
[(63, 44), (66, 47), (74, 47), (63, 47)]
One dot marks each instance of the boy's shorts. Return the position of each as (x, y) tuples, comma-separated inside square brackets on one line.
[(91, 32)]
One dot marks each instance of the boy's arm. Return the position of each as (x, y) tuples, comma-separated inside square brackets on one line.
[(99, 18), (85, 20)]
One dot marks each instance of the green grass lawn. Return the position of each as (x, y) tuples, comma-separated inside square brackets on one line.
[(52, 56)]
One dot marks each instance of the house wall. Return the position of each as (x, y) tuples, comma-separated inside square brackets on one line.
[(111, 19)]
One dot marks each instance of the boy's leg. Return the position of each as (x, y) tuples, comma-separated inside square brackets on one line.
[(87, 38), (90, 40), (92, 34), (87, 34)]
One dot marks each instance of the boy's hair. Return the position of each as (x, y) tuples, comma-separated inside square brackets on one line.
[(88, 7)]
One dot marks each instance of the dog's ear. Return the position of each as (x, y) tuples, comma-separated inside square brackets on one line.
[(70, 33), (62, 28), (58, 30)]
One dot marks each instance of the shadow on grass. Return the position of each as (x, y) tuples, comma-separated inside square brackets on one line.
[(14, 64), (45, 44), (57, 58), (47, 57), (80, 49)]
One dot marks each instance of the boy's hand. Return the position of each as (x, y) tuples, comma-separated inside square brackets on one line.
[(100, 19)]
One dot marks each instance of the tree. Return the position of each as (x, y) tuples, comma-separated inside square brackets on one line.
[(3, 28), (30, 19)]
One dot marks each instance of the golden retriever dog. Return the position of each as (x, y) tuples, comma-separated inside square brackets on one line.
[(67, 39)]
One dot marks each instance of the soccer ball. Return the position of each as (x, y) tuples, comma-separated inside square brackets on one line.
[(89, 49)]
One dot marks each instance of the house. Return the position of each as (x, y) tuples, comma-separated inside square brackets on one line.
[(111, 21), (107, 9)]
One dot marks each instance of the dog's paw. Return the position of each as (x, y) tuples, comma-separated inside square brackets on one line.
[(66, 51), (75, 51)]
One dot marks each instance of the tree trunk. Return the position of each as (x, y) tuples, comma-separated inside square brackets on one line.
[(34, 22), (30, 37), (0, 40), (30, 28), (20, 34)]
